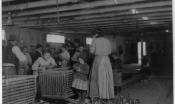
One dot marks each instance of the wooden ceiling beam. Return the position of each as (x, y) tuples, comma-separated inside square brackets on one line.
[(141, 25), (142, 11), (95, 21), (107, 25), (7, 0), (35, 4), (93, 4)]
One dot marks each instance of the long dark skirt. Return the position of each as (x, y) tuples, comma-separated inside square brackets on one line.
[(101, 78)]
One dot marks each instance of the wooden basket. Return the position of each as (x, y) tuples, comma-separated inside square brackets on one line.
[(56, 83), (18, 89)]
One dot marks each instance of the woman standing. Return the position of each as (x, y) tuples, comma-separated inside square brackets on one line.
[(101, 84)]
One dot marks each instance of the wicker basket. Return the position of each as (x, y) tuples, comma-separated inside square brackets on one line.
[(56, 83), (18, 89)]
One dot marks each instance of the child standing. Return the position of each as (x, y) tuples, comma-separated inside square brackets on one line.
[(117, 68), (80, 82), (65, 56)]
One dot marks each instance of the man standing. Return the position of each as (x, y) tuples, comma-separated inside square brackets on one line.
[(38, 52), (12, 56)]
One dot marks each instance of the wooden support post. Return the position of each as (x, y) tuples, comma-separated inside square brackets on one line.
[(164, 43), (141, 51)]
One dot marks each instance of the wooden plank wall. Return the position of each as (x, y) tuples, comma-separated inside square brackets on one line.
[(29, 37)]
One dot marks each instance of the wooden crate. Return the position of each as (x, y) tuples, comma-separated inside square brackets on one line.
[(56, 83), (18, 89)]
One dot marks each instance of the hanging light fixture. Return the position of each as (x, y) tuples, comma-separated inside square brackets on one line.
[(57, 12), (9, 20)]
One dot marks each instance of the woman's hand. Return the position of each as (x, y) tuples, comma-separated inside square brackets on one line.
[(48, 67), (41, 68)]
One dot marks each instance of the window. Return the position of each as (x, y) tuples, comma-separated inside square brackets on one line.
[(88, 40), (3, 35), (55, 38)]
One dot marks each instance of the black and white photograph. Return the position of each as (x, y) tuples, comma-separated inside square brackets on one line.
[(87, 52)]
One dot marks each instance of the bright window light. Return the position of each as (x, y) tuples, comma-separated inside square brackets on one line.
[(134, 11), (3, 35), (88, 40), (145, 18), (167, 30), (55, 38), (139, 50), (153, 23)]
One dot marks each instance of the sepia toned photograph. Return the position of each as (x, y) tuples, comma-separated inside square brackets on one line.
[(87, 51)]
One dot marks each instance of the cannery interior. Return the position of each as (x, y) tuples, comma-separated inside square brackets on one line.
[(87, 52)]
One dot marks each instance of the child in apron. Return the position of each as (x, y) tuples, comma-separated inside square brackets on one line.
[(80, 82)]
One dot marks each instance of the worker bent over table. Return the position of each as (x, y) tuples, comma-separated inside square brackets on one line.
[(42, 63)]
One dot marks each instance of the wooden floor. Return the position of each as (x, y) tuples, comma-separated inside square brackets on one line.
[(154, 90)]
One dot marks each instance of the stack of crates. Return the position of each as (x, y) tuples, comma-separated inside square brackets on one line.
[(18, 89)]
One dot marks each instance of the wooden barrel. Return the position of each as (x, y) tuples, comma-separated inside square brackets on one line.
[(9, 69), (56, 83)]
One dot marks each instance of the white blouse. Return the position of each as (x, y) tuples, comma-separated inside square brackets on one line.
[(41, 62), (100, 46)]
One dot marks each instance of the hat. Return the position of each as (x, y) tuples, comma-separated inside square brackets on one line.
[(77, 40), (38, 46), (83, 57), (96, 30), (81, 45), (13, 37), (64, 46), (47, 45)]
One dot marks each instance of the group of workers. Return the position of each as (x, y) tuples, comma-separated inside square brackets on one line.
[(97, 79)]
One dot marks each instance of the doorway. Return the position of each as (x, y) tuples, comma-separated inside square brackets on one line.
[(139, 51), (136, 52)]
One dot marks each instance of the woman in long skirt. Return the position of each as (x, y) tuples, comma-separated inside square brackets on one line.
[(101, 78)]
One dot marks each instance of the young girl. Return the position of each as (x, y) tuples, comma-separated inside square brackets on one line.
[(42, 63), (65, 56), (117, 68), (80, 82)]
